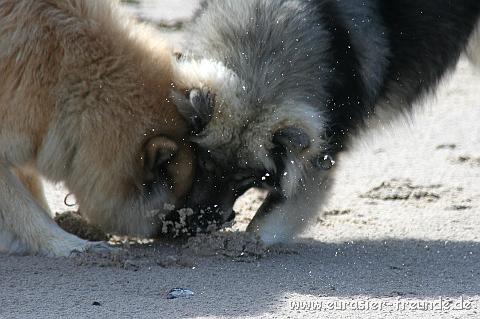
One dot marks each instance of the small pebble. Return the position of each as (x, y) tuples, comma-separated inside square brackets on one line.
[(179, 293), (130, 265)]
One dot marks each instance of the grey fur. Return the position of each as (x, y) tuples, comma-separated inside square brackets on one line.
[(272, 62), (323, 67)]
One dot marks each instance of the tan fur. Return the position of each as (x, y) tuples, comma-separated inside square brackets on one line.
[(32, 182), (83, 90)]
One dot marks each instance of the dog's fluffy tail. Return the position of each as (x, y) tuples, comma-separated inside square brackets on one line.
[(473, 50)]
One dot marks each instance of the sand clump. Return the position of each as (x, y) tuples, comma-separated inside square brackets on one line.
[(74, 223), (185, 222)]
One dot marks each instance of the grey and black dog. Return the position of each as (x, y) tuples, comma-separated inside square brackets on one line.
[(289, 82)]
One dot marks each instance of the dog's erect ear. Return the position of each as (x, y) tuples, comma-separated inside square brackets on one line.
[(196, 106), (156, 154), (292, 139)]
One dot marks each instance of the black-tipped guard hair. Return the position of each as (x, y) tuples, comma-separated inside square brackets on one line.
[(196, 106)]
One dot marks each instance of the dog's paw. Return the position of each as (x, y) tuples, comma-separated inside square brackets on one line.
[(100, 248), (69, 245), (270, 233)]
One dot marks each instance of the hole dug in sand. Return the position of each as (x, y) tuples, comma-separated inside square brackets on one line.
[(235, 246), (167, 252)]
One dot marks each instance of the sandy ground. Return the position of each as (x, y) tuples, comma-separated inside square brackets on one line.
[(400, 237)]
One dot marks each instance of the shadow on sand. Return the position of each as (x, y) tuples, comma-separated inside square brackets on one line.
[(390, 268)]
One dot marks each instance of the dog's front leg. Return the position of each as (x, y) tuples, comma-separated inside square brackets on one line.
[(32, 182), (281, 218), (26, 228)]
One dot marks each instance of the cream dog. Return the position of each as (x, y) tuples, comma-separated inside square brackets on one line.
[(84, 99)]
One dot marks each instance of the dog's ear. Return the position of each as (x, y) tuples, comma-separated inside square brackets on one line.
[(292, 139), (196, 106), (157, 153)]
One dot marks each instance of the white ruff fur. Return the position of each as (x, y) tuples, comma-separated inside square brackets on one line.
[(474, 47)]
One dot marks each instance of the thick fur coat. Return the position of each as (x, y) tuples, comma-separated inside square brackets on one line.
[(303, 77), (84, 100)]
